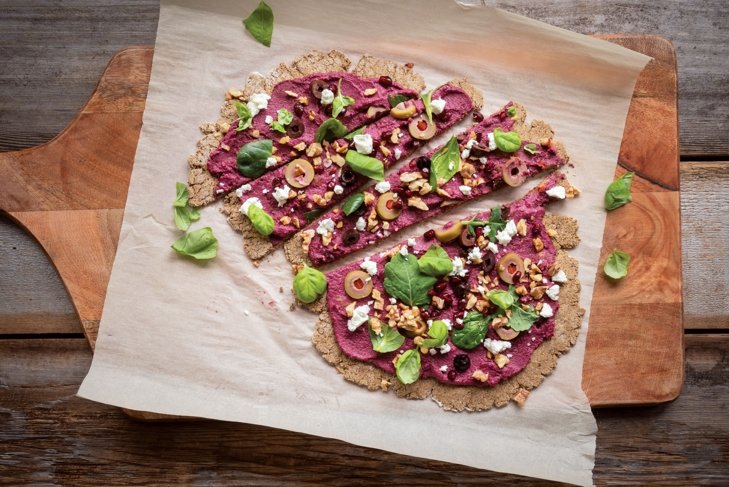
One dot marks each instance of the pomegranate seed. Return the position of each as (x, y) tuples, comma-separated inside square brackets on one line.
[(429, 235), (385, 81), (477, 117)]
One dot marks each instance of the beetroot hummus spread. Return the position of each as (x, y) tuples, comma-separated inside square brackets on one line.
[(497, 303)]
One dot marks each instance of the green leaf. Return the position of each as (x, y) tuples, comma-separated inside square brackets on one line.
[(309, 284), (200, 244), (262, 221), (252, 157), (507, 141), (445, 163), (522, 320), (475, 326), (407, 366), (435, 262), (181, 196), (426, 97), (616, 265), (511, 111), (313, 214), (405, 282), (284, 118), (496, 222), (365, 165), (331, 129), (438, 334), (350, 136), (185, 216), (353, 203), (395, 99), (473, 223), (502, 299), (260, 24), (388, 340), (244, 116), (530, 149), (618, 193), (340, 101)]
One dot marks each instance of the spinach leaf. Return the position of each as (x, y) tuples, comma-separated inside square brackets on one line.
[(395, 99), (262, 221), (353, 203), (365, 165), (387, 340), (407, 366), (507, 141), (475, 326), (245, 118), (618, 193), (435, 262), (438, 334), (405, 282), (200, 244), (340, 102), (331, 129), (260, 24), (445, 163), (252, 157), (502, 299), (426, 97), (284, 117), (530, 149), (309, 284), (522, 320), (616, 265)]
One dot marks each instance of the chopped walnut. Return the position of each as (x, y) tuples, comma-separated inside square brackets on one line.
[(385, 151), (369, 198), (521, 227), (395, 136), (375, 322), (538, 244), (306, 237), (285, 220), (520, 397), (501, 360), (255, 133), (338, 160), (350, 309), (303, 100), (480, 376), (300, 146), (467, 170), (314, 149), (370, 92), (409, 177), (417, 202), (472, 300)]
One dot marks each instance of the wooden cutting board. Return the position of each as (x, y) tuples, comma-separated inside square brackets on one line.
[(70, 194)]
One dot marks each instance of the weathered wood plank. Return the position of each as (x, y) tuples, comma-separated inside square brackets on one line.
[(47, 434)]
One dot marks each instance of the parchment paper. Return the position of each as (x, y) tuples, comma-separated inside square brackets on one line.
[(218, 340)]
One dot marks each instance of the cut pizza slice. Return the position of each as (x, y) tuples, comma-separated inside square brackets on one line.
[(474, 321)]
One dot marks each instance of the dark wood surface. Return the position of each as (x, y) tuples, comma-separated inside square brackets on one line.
[(52, 55)]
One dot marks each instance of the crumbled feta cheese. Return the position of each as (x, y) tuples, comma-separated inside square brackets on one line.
[(458, 267), (411, 242), (444, 368), (483, 160), (338, 189), (268, 119), (281, 195), (271, 161), (557, 192), (496, 346), (325, 226), (404, 250), (559, 277), (474, 255), (393, 301), (361, 224), (432, 351), (265, 191), (369, 266), (459, 321), (243, 189), (546, 311), (398, 153), (451, 166), (481, 289), (503, 237), (360, 315), (327, 96), (437, 106), (466, 190), (382, 187), (465, 154), (510, 228), (448, 323), (247, 204), (491, 247), (470, 143), (257, 102), (363, 143), (492, 141), (445, 348), (553, 292)]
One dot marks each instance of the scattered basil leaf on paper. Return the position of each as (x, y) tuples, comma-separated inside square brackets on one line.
[(260, 23), (331, 129), (438, 334), (353, 203), (184, 215), (475, 326), (200, 244), (388, 340), (340, 101), (507, 141), (365, 165), (284, 117), (261, 221), (521, 319), (309, 284), (181, 195), (616, 265), (445, 163), (426, 97), (245, 118), (405, 282), (435, 262), (252, 157), (407, 366), (618, 193)]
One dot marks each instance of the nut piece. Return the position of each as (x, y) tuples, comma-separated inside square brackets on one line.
[(538, 244), (501, 360), (417, 202), (370, 92), (520, 397), (480, 376)]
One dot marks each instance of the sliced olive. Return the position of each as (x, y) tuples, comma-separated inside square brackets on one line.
[(423, 163), (295, 129), (510, 268), (467, 240), (479, 150), (389, 206), (448, 234), (358, 284), (299, 173), (421, 129), (515, 172), (373, 111), (348, 176), (506, 333), (488, 262), (350, 237), (317, 86), (404, 109)]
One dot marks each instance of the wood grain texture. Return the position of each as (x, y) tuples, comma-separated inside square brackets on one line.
[(49, 435)]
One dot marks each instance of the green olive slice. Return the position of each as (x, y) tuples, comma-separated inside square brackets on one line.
[(506, 333), (514, 172), (450, 233), (510, 268), (358, 284), (388, 206), (299, 173), (421, 129), (403, 110)]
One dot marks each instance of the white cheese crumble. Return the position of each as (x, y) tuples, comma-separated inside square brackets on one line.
[(557, 192), (281, 195), (444, 368), (369, 266), (466, 190), (268, 119), (404, 250), (363, 143), (470, 143), (496, 346), (265, 191), (257, 102), (465, 154), (247, 204), (510, 228), (483, 160), (553, 292), (491, 247), (451, 165), (503, 237), (327, 96), (412, 242), (559, 277), (325, 226), (546, 311), (445, 348), (437, 106), (474, 255), (243, 189), (271, 161), (382, 187), (361, 224), (448, 324), (338, 189), (393, 301), (458, 267), (360, 315), (492, 141), (398, 153)]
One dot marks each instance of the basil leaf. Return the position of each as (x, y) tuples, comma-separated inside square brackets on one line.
[(473, 223), (407, 366), (388, 340), (395, 99), (200, 244), (507, 141), (522, 320), (284, 118), (340, 102), (502, 299), (245, 118), (426, 97), (313, 214), (618, 193), (616, 265), (181, 195), (435, 262), (475, 326), (353, 203), (365, 165), (309, 284), (331, 129), (262, 221), (350, 136), (438, 334), (496, 222), (185, 216), (252, 157), (405, 282), (511, 111), (260, 24), (445, 163), (530, 149)]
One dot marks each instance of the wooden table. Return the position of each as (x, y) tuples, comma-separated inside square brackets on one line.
[(52, 57)]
